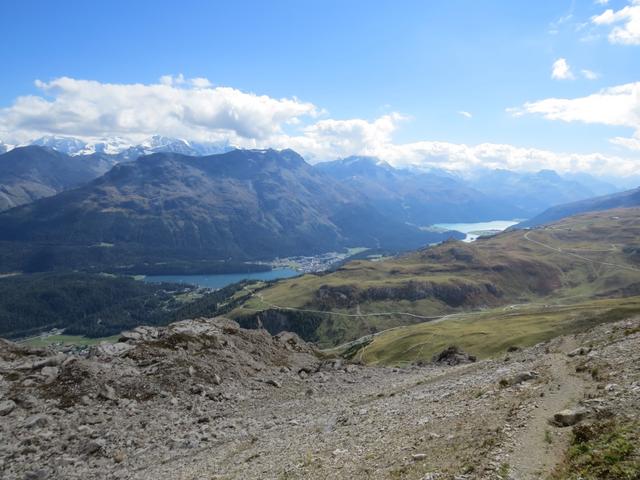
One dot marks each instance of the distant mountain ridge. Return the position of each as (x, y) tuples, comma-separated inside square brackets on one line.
[(424, 198), (413, 196), (122, 149), (241, 205), (630, 198), (30, 173)]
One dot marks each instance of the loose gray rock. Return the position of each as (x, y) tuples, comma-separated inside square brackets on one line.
[(579, 351), (40, 474), (38, 421), (94, 446), (523, 377), (6, 407), (49, 361), (569, 417), (108, 393)]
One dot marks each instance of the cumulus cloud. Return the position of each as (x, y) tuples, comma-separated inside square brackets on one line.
[(462, 157), (625, 22), (194, 109), (615, 106), (560, 70), (174, 107), (332, 138), (465, 114)]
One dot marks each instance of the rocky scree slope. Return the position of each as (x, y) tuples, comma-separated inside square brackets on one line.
[(207, 399)]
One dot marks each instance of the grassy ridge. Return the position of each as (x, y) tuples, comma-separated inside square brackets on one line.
[(578, 259), (492, 332)]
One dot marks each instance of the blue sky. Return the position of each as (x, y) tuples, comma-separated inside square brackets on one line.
[(422, 61)]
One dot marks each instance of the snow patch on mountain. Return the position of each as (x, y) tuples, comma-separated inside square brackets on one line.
[(126, 149)]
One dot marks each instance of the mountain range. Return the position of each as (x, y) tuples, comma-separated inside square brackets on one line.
[(122, 149), (237, 206), (629, 198), (29, 173), (437, 196), (104, 204)]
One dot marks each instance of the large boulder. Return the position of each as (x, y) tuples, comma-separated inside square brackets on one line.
[(453, 355)]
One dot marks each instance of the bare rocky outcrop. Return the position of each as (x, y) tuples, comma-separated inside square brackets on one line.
[(453, 355)]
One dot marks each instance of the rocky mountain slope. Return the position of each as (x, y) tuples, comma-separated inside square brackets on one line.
[(630, 198), (30, 173), (241, 205), (206, 399)]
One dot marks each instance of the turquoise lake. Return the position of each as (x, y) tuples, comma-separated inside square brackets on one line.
[(222, 279), (467, 228)]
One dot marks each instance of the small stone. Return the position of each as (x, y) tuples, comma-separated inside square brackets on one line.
[(38, 421), (216, 379), (119, 456), (7, 407), (49, 361), (274, 383), (40, 474), (579, 351), (523, 377), (49, 371), (419, 457), (94, 446), (108, 393), (569, 417), (196, 389)]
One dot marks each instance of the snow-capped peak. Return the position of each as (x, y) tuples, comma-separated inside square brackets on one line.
[(4, 148), (127, 149), (68, 145)]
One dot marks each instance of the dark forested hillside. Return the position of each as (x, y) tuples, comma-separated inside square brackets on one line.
[(98, 305)]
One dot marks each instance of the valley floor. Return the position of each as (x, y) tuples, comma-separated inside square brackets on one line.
[(316, 420)]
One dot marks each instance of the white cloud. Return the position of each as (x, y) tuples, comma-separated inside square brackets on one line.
[(589, 74), (465, 114), (601, 2), (560, 70), (626, 21), (330, 139), (615, 106), (195, 110), (632, 143), (200, 82), (173, 107)]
